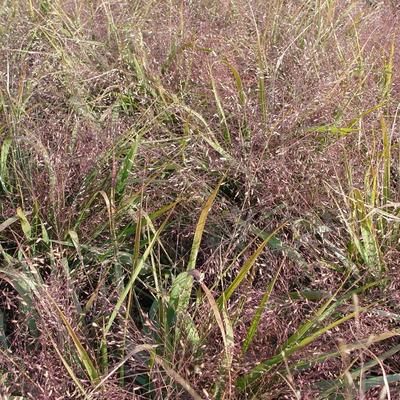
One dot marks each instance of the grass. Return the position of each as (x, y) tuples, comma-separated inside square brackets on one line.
[(199, 200)]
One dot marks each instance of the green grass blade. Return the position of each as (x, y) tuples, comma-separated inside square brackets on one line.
[(333, 386), (388, 71), (200, 227), (25, 225), (238, 82), (247, 266), (276, 244), (133, 276), (264, 366), (82, 353), (5, 149), (179, 296), (75, 241), (70, 370), (3, 337), (221, 112), (386, 161), (260, 309), (126, 168)]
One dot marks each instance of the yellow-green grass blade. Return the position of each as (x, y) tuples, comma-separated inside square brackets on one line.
[(304, 364), (25, 225), (298, 340), (8, 222), (131, 229), (247, 266), (355, 121), (238, 82), (333, 386), (326, 310), (127, 165), (5, 149), (262, 99), (135, 259), (177, 377), (82, 353), (221, 112), (388, 71), (133, 276), (182, 286), (260, 309), (200, 227), (226, 329), (216, 312), (69, 369), (265, 366), (209, 137), (386, 160), (370, 247)]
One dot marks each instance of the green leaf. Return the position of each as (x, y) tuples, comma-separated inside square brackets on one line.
[(180, 292), (179, 299), (25, 225), (45, 235), (5, 149)]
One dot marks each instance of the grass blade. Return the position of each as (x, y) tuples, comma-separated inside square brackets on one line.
[(69, 369), (177, 377), (247, 266), (5, 149), (126, 168), (200, 227), (260, 309), (221, 112), (133, 276), (386, 161), (25, 225), (264, 366), (82, 353)]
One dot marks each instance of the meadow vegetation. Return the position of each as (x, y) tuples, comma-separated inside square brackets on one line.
[(199, 199)]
